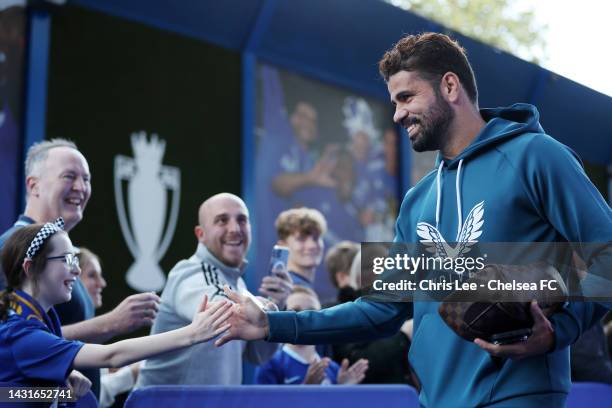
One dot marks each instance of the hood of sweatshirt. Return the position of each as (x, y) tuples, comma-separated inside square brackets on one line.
[(502, 124)]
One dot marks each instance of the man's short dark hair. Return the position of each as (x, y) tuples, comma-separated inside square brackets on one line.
[(431, 55)]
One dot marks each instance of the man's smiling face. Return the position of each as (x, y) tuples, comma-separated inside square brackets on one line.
[(225, 229), (420, 109)]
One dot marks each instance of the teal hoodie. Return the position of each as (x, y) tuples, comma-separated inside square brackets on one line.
[(528, 188)]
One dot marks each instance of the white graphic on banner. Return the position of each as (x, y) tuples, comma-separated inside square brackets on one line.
[(147, 200), (470, 231)]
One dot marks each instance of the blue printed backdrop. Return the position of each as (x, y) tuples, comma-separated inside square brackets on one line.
[(343, 144)]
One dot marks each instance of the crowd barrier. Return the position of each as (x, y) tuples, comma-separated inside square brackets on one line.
[(591, 395), (286, 396)]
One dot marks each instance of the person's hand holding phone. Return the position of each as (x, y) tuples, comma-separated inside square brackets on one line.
[(277, 286)]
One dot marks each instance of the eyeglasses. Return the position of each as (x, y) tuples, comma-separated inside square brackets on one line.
[(69, 259)]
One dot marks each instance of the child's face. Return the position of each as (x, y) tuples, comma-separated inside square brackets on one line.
[(57, 280), (305, 250), (302, 301), (94, 282)]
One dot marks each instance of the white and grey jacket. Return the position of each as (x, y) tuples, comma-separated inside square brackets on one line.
[(201, 364)]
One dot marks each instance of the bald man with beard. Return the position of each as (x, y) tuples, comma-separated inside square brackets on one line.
[(224, 235)]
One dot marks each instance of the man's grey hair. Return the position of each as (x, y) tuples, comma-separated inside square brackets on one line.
[(38, 152)]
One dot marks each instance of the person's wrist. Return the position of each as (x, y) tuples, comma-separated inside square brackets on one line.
[(266, 326), (190, 334), (271, 306), (281, 305), (109, 324), (551, 342), (195, 338)]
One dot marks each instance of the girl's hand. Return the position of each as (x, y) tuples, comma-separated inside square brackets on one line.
[(210, 320)]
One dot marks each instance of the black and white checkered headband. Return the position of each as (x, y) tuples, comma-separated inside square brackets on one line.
[(45, 232)]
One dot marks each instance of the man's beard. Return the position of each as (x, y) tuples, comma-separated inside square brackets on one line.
[(433, 125)]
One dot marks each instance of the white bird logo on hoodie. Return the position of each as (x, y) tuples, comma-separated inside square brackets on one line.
[(468, 235)]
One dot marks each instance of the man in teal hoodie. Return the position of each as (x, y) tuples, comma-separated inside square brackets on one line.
[(525, 187)]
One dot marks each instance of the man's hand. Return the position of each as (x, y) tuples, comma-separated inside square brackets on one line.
[(248, 321), (133, 313), (541, 340), (353, 374), (316, 371), (266, 304), (78, 383), (277, 288)]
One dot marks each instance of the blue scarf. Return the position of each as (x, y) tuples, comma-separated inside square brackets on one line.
[(28, 308)]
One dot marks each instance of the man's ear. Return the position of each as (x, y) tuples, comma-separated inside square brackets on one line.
[(450, 87), (199, 232), (32, 185)]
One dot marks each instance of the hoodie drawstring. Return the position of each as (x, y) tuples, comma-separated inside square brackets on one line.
[(439, 195), (459, 212), (458, 193)]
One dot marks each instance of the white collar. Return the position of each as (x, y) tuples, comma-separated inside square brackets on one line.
[(297, 357)]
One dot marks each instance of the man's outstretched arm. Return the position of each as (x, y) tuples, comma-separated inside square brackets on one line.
[(350, 322)]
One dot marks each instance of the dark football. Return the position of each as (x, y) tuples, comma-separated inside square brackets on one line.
[(487, 313)]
